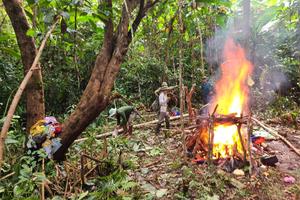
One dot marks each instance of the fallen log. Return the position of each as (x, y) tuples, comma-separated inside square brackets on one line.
[(134, 126), (274, 133)]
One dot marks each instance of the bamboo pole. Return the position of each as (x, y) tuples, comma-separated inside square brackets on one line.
[(19, 92)]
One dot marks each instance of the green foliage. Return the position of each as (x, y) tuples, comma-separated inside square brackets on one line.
[(26, 181), (113, 186)]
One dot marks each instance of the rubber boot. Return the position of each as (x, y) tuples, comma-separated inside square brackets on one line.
[(157, 130), (167, 119), (130, 130), (125, 130)]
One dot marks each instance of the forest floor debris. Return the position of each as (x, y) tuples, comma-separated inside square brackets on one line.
[(162, 171), (184, 180), (146, 166)]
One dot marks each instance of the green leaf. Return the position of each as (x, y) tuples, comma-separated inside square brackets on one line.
[(11, 141), (40, 177), (57, 198), (145, 170), (65, 15), (149, 188), (30, 32), (128, 185), (268, 15), (160, 193), (30, 2), (216, 2), (2, 189), (29, 13), (136, 147), (126, 198), (48, 19), (82, 195), (4, 37), (221, 20), (17, 190), (11, 52)]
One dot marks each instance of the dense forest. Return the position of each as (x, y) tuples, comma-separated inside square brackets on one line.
[(150, 99)]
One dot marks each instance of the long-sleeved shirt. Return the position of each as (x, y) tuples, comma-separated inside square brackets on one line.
[(123, 114), (163, 101)]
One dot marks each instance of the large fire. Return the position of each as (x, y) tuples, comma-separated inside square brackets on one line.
[(232, 95)]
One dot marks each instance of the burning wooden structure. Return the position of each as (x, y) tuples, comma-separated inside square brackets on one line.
[(224, 132), (207, 142)]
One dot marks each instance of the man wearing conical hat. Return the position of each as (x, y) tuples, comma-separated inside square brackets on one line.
[(163, 99)]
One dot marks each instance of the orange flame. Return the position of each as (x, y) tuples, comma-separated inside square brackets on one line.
[(232, 95)]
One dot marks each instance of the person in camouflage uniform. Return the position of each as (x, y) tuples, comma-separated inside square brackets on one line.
[(124, 115)]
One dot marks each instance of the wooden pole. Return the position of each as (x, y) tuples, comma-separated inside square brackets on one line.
[(181, 29), (19, 92), (249, 133), (239, 125), (188, 98), (242, 141), (43, 183), (211, 124)]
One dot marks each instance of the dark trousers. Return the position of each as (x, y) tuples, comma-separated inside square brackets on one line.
[(163, 116)]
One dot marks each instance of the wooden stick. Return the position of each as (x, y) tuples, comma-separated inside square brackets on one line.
[(94, 159), (66, 187), (242, 142), (48, 189), (153, 163), (6, 176), (249, 133), (19, 92), (211, 134), (43, 183), (204, 106), (274, 133), (82, 171), (239, 125), (107, 134)]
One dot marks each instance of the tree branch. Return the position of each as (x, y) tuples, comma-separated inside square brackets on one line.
[(109, 26), (141, 14)]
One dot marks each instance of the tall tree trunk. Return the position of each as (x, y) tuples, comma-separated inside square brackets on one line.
[(298, 31), (181, 86), (246, 23), (96, 95), (201, 51), (35, 104)]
